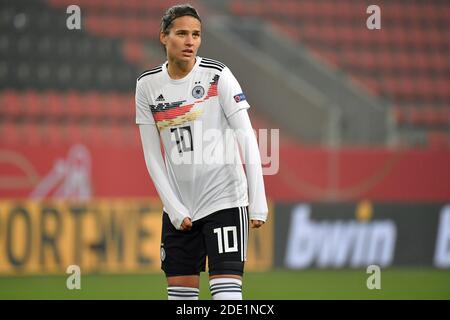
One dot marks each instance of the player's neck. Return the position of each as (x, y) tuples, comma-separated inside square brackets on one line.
[(179, 69)]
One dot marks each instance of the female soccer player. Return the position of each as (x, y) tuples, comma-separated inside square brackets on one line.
[(190, 104)]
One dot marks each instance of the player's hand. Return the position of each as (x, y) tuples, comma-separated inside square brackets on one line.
[(256, 223), (186, 225)]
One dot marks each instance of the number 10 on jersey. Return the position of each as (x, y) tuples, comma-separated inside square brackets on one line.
[(223, 239), (183, 138)]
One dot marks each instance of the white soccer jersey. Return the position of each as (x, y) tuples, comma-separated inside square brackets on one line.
[(189, 114)]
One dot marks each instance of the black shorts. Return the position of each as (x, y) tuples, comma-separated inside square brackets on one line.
[(222, 236)]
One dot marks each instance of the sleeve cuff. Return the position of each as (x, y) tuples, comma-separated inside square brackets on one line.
[(258, 217)]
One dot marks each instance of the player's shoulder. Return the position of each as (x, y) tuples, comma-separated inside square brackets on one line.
[(211, 64), (151, 72)]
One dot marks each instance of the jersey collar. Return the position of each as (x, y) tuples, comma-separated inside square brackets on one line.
[(186, 78)]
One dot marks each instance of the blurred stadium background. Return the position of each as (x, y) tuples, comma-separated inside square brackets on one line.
[(362, 176)]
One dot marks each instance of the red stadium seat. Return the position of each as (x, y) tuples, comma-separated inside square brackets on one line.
[(74, 106), (131, 135), (10, 134), (72, 133), (111, 135), (53, 134), (438, 139), (400, 115), (133, 52), (32, 104), (11, 106), (32, 134), (93, 134), (112, 106), (442, 88), (127, 107), (53, 104), (444, 116), (93, 105), (431, 116), (416, 116)]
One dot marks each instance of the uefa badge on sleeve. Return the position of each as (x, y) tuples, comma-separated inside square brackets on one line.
[(239, 97)]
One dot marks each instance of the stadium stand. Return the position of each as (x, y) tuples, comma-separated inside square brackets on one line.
[(51, 77), (406, 62), (63, 86)]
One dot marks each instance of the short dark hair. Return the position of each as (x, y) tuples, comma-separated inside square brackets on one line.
[(177, 11)]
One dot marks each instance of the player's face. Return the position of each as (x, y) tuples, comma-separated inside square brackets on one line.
[(183, 40)]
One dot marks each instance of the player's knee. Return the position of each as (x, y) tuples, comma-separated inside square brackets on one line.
[(184, 281), (226, 267), (183, 287)]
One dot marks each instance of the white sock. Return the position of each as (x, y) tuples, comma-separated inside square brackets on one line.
[(182, 293), (226, 288)]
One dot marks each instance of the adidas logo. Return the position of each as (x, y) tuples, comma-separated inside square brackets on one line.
[(160, 98)]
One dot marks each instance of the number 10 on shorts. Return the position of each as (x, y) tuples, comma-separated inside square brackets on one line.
[(223, 240)]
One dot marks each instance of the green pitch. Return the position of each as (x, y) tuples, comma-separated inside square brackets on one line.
[(308, 284)]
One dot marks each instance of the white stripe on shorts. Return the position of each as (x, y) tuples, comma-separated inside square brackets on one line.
[(245, 233), (241, 231)]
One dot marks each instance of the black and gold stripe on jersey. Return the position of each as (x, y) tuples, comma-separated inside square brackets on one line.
[(149, 72), (212, 64)]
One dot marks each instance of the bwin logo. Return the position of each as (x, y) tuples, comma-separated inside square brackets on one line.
[(338, 243)]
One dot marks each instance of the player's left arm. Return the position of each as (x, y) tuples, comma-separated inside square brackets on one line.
[(235, 105), (241, 124)]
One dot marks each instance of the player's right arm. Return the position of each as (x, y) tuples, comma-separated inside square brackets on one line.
[(178, 213)]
